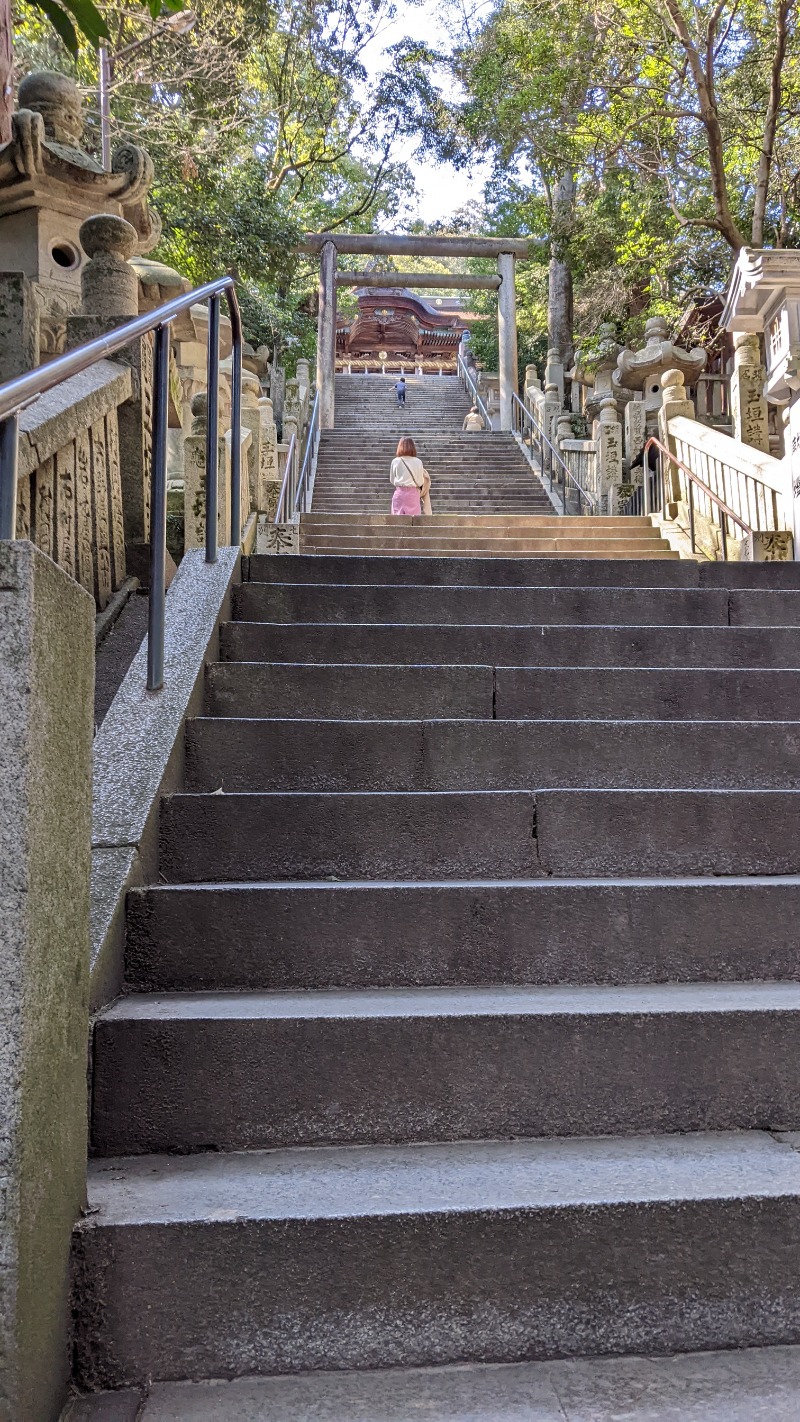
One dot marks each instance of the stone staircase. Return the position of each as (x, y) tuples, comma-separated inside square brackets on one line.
[(463, 1020), (486, 498)]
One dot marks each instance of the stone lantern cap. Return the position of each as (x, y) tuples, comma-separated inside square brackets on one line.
[(636, 369), (607, 350), (45, 166)]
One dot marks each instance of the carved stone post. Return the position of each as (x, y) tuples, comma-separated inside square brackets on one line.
[(19, 325), (748, 406), (109, 298), (552, 409), (554, 374), (194, 488), (277, 388), (674, 403), (635, 423), (251, 420), (269, 478), (609, 455)]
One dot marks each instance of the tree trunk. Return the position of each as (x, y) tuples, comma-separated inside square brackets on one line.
[(6, 72), (560, 316), (783, 12), (559, 310)]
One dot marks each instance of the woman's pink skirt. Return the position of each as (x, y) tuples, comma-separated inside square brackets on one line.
[(406, 501)]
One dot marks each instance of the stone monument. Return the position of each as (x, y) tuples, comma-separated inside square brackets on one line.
[(49, 185)]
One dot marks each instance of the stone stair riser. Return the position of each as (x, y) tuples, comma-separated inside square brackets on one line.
[(552, 1281), (545, 646), (275, 755), (442, 1066), (396, 692), (497, 606), (256, 938), (442, 835)]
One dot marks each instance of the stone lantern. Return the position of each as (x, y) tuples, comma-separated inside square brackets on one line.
[(598, 374), (49, 185), (641, 371)]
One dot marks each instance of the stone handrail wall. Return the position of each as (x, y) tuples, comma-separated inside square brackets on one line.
[(70, 501), (753, 484)]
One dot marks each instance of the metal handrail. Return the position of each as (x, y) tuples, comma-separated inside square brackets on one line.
[(725, 509), (20, 392), (283, 497), (555, 456), (466, 380), (309, 467)]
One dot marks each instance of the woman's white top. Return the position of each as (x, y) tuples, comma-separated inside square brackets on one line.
[(407, 472)]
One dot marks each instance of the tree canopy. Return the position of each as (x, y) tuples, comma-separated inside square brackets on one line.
[(647, 140)]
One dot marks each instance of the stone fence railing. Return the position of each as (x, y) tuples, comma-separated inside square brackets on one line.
[(753, 484), (70, 498)]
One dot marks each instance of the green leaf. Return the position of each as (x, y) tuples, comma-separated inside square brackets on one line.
[(90, 21), (60, 22)]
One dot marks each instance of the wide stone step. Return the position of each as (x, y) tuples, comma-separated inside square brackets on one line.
[(457, 834), (373, 692), (276, 936), (543, 523), (244, 1071), (737, 1386), (495, 572), (540, 646), (275, 755), (521, 607), (219, 1265), (442, 546), (482, 549)]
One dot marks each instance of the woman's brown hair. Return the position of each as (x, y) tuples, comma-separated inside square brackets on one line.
[(406, 447)]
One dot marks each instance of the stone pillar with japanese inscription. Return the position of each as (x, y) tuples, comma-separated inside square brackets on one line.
[(635, 427), (109, 298), (269, 479), (609, 455), (251, 420), (194, 487), (748, 406)]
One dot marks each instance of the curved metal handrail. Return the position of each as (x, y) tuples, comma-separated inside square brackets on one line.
[(555, 454), (280, 512), (693, 478), (466, 380), (18, 393)]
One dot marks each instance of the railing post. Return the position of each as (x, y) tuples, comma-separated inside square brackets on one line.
[(158, 513), (9, 465), (236, 442), (212, 429)]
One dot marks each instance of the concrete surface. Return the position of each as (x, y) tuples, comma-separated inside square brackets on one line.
[(237, 1071), (756, 1385), (468, 754), (138, 752), (253, 937), (550, 645), (276, 1261), (46, 689)]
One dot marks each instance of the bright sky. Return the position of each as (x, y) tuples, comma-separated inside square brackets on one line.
[(441, 188)]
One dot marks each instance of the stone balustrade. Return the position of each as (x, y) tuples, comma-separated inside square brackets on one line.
[(751, 482), (70, 497)]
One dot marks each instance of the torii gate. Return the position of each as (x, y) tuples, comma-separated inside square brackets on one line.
[(505, 249)]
